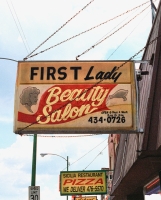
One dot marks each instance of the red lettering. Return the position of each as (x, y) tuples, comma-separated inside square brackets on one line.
[(80, 181), (74, 181), (83, 181), (99, 181), (89, 181), (67, 181)]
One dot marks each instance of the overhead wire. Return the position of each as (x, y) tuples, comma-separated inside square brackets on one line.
[(120, 66), (125, 19), (94, 147), (19, 27), (59, 29), (63, 136), (110, 34), (96, 157), (92, 28), (20, 131), (88, 135), (139, 51), (126, 37), (129, 33), (25, 39), (9, 59), (87, 153)]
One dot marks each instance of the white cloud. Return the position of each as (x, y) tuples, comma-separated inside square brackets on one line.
[(16, 161), (20, 39), (14, 173)]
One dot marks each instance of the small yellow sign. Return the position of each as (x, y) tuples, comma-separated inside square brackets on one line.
[(83, 182), (86, 198)]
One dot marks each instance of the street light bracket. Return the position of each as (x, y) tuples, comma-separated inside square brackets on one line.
[(44, 154)]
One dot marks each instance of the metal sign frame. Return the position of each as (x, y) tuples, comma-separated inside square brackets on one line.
[(58, 96), (83, 182)]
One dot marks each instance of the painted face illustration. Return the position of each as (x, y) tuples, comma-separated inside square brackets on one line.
[(33, 98), (29, 97)]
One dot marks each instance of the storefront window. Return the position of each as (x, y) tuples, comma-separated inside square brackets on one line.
[(152, 190)]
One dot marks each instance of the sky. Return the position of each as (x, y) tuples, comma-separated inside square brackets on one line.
[(24, 25)]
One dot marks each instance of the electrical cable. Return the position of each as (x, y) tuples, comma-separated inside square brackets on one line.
[(126, 37), (96, 157), (110, 34), (86, 153), (26, 46), (21, 27), (62, 136), (19, 131), (66, 40), (59, 29), (119, 23), (125, 19), (140, 51), (9, 59)]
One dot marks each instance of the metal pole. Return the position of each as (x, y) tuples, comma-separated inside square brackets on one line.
[(67, 163), (33, 176), (67, 170)]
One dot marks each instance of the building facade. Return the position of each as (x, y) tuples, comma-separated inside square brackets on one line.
[(138, 160)]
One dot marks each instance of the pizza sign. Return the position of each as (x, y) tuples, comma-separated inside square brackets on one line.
[(83, 182), (70, 97)]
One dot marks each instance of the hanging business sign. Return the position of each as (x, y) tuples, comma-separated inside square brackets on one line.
[(75, 97), (83, 182), (86, 198)]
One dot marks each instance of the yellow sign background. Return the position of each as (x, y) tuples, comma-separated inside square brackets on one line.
[(86, 182), (76, 72), (119, 112), (86, 198)]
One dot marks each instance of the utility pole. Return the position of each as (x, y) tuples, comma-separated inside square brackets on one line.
[(33, 175), (67, 171)]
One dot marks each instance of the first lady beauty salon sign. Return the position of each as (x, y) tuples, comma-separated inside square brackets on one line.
[(75, 97)]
